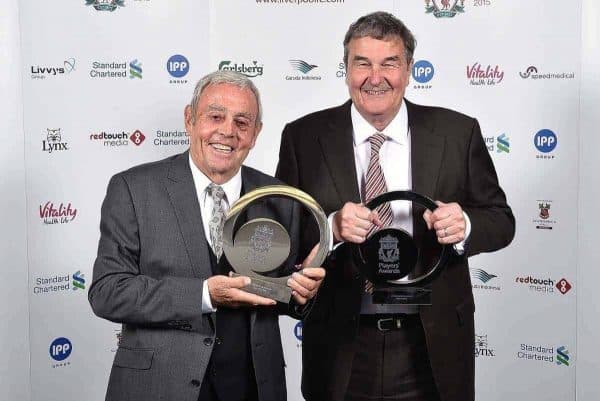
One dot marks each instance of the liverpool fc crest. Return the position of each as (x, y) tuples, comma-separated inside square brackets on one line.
[(444, 8)]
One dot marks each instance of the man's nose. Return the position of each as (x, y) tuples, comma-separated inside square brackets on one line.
[(375, 77)]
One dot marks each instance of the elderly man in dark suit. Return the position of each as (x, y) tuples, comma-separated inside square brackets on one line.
[(190, 331), (376, 142)]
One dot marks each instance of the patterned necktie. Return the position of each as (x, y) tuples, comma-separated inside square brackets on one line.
[(217, 219), (375, 185), (375, 181)]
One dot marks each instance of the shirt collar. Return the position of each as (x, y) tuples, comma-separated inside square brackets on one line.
[(397, 129), (232, 188)]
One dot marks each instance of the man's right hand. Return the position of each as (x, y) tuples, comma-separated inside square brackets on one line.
[(227, 291), (352, 223)]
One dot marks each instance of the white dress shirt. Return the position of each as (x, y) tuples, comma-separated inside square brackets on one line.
[(232, 189)]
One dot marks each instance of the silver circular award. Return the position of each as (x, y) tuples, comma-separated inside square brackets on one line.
[(261, 245)]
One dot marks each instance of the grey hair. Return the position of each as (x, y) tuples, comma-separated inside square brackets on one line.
[(381, 26), (224, 77)]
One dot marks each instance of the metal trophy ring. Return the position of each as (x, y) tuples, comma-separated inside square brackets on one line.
[(261, 245)]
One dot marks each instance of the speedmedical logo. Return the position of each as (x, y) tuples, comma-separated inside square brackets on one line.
[(178, 66), (60, 350), (422, 73)]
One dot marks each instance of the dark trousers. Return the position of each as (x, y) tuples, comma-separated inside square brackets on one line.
[(391, 365), (208, 393)]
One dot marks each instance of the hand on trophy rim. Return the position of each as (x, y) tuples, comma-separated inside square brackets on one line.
[(449, 223), (226, 292), (353, 222), (306, 282)]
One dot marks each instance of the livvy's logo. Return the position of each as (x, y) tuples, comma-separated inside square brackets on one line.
[(63, 214), (444, 8), (53, 141), (41, 72), (480, 76), (251, 71), (105, 5)]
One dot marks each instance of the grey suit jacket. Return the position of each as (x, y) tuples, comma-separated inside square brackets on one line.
[(152, 260)]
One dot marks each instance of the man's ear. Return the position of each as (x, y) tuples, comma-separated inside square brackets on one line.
[(258, 129), (187, 117)]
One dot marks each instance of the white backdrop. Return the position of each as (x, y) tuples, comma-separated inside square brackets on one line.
[(526, 332)]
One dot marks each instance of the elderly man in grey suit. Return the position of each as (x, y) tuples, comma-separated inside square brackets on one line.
[(190, 331)]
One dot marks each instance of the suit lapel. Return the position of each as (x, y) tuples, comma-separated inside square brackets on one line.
[(182, 192), (427, 149), (338, 152)]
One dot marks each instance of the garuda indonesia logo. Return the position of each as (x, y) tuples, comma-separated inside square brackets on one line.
[(444, 8), (482, 275), (302, 66), (105, 5)]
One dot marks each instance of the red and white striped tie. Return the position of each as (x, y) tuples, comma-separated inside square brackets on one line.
[(375, 181)]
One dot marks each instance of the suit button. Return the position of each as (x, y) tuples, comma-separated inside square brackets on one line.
[(208, 341), (218, 341), (195, 383)]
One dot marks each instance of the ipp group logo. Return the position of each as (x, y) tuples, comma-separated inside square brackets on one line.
[(444, 8), (251, 70), (60, 350), (62, 283), (117, 139), (178, 66), (545, 218), (298, 333), (53, 141), (305, 70), (482, 280), (62, 213), (544, 285), (422, 73), (545, 142), (43, 71)]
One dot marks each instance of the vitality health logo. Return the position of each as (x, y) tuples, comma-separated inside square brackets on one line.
[(532, 72), (544, 285), (542, 353), (545, 142), (121, 138), (64, 213), (444, 8), (304, 68), (479, 75), (544, 219), (178, 66), (43, 71), (482, 280), (482, 347), (422, 73), (59, 283), (53, 141), (116, 69), (60, 350), (498, 144), (251, 70), (105, 5)]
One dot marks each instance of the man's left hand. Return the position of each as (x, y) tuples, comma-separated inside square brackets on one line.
[(448, 221), (306, 282)]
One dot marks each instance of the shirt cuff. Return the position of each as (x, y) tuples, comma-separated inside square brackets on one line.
[(207, 306), (332, 246), (460, 246)]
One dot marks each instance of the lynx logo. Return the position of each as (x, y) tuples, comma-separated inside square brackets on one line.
[(444, 8), (298, 331), (422, 73), (78, 280), (60, 349), (562, 356), (105, 5), (482, 348), (545, 141), (53, 141), (178, 66)]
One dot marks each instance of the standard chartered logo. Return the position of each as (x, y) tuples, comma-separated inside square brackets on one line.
[(562, 356), (78, 281), (59, 283), (135, 69)]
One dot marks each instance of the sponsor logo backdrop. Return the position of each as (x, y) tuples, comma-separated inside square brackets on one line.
[(104, 87)]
